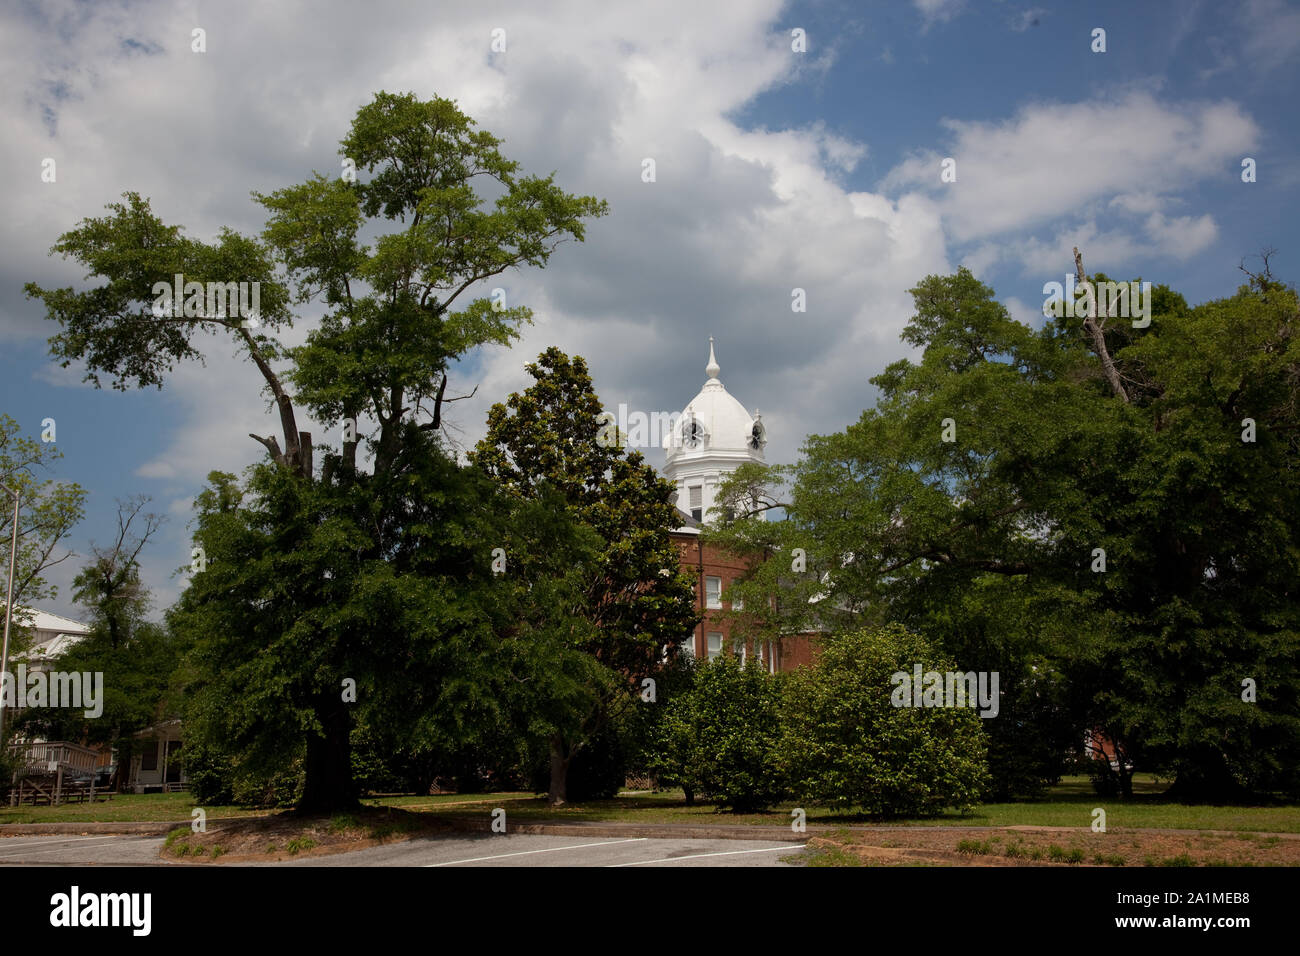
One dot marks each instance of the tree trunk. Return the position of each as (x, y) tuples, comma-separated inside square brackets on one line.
[(560, 759), (329, 785), (690, 795), (1094, 329)]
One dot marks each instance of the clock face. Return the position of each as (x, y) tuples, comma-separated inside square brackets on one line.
[(692, 434)]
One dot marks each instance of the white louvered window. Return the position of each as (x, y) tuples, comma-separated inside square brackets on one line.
[(715, 645), (713, 591)]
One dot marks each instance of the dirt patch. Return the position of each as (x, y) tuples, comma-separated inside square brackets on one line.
[(1049, 846), (284, 836)]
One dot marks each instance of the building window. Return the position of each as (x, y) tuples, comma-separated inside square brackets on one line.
[(697, 502), (737, 602), (740, 652), (688, 645), (149, 756), (715, 645), (713, 592)]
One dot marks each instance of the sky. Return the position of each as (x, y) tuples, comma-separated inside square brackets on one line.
[(795, 146)]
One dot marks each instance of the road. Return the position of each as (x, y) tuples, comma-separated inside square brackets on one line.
[(506, 849)]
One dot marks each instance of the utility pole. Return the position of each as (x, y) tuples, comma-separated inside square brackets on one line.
[(9, 606)]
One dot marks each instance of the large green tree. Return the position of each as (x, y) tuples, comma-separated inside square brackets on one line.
[(395, 251), (1076, 507), (635, 599)]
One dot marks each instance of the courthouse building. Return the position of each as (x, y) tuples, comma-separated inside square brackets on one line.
[(713, 437)]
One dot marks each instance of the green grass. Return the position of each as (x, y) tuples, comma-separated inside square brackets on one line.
[(124, 807), (825, 856), (1069, 804)]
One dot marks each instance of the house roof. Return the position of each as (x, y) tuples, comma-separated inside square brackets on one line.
[(45, 621), (55, 633)]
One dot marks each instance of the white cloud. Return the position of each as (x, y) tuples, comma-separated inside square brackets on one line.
[(1063, 162)]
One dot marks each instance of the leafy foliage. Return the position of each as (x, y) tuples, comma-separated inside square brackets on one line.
[(624, 596), (313, 578), (991, 543), (720, 738), (49, 511), (844, 744)]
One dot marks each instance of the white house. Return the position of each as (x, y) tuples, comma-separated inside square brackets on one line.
[(156, 764)]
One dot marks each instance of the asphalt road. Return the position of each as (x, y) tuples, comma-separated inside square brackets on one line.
[(504, 849), (79, 850)]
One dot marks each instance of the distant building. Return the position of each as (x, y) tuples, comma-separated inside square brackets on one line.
[(52, 635), (714, 436)]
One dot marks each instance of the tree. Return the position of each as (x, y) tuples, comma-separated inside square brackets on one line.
[(635, 601), (49, 511), (845, 744), (1120, 554), (110, 586), (720, 738), (398, 313)]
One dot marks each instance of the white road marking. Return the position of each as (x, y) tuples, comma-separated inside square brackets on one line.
[(59, 849), (696, 856), (502, 856)]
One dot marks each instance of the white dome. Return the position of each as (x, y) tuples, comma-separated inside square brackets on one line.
[(713, 437), (713, 421)]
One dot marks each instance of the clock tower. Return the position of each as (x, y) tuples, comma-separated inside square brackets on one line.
[(713, 437)]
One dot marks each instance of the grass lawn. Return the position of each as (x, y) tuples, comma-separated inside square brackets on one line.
[(124, 807), (131, 807), (1070, 804)]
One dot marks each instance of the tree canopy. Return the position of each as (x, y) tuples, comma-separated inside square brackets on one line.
[(1125, 556), (309, 578)]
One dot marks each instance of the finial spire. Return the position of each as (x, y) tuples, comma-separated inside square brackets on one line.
[(712, 369)]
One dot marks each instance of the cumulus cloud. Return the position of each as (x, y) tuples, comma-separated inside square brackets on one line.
[(1101, 170), (737, 218)]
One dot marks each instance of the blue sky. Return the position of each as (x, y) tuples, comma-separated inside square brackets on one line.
[(775, 170)]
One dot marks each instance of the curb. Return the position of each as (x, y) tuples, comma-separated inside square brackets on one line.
[(105, 827)]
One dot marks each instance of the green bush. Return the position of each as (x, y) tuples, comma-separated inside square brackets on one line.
[(216, 778), (845, 745), (718, 739)]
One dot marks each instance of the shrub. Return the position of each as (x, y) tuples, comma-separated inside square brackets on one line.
[(718, 739), (845, 745)]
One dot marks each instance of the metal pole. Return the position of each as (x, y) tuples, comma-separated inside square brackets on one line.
[(9, 606)]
